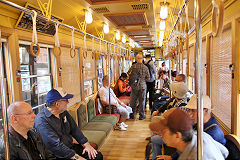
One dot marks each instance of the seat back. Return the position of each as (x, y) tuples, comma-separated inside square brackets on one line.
[(233, 146), (91, 110), (82, 116)]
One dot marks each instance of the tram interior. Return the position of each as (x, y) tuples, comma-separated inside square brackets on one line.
[(81, 41)]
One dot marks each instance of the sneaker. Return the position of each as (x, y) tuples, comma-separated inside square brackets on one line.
[(122, 128), (142, 118), (124, 124)]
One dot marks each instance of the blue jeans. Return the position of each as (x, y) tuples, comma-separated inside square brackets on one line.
[(157, 143)]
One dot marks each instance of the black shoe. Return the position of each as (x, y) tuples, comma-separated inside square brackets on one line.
[(142, 118), (132, 116)]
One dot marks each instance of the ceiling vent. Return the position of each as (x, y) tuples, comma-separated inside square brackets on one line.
[(147, 26), (143, 6), (101, 10)]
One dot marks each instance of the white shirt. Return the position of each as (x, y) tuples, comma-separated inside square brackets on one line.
[(104, 95)]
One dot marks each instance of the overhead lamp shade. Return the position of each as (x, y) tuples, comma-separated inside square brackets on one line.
[(123, 39), (162, 25), (161, 36), (106, 28), (88, 17), (118, 35), (164, 12)]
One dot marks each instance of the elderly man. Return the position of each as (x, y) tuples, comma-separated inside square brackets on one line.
[(175, 127), (123, 109), (58, 129), (24, 141), (138, 75)]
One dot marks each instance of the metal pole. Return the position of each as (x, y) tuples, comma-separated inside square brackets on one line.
[(27, 11), (198, 33), (4, 107), (109, 77)]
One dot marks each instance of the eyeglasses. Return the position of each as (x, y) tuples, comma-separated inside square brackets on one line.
[(26, 114)]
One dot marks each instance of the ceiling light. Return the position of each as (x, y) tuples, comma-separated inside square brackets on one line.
[(118, 36), (123, 39), (88, 17), (106, 28), (162, 25), (164, 11)]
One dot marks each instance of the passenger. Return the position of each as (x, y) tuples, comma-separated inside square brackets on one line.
[(211, 125), (123, 109), (175, 127), (178, 100), (162, 68), (138, 75), (122, 88), (24, 141), (57, 128), (150, 83), (174, 74)]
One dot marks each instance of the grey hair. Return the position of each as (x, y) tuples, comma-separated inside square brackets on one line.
[(12, 109), (186, 135)]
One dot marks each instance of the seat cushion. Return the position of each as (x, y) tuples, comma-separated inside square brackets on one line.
[(99, 126), (112, 119), (96, 137), (91, 110)]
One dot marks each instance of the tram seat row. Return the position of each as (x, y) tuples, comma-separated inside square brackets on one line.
[(95, 127)]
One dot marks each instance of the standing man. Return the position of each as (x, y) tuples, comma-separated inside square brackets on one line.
[(150, 83), (138, 75), (58, 129), (24, 141)]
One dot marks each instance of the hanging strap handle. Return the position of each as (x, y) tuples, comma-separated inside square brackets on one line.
[(57, 49), (73, 50), (217, 27), (34, 35)]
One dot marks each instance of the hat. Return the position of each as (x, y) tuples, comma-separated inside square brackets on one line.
[(175, 119), (192, 104), (57, 94), (179, 90)]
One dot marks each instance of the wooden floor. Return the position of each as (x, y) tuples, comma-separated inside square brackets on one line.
[(130, 144)]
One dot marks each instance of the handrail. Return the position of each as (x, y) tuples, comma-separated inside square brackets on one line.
[(16, 6)]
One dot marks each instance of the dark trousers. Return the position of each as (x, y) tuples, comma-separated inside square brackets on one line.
[(139, 95), (150, 89), (78, 148)]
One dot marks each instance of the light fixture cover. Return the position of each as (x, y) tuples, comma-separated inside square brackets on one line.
[(123, 39), (118, 35), (161, 36), (162, 25), (88, 17), (164, 11), (106, 28)]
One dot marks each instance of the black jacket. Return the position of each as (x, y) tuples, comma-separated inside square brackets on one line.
[(19, 151)]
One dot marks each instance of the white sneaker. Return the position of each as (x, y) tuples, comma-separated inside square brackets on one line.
[(122, 128), (124, 124)]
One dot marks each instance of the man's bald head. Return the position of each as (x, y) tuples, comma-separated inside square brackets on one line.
[(16, 108), (139, 58)]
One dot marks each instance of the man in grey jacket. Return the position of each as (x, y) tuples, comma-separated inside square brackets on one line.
[(175, 127)]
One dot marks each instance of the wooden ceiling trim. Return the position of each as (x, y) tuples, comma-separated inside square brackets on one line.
[(98, 2), (128, 19), (139, 32)]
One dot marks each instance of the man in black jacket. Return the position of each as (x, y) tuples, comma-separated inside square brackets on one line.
[(24, 141)]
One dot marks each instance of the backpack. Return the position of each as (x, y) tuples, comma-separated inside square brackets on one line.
[(150, 69), (134, 78)]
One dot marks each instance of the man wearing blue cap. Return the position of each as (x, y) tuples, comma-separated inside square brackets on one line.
[(57, 127)]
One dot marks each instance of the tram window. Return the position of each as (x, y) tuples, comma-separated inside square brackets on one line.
[(35, 75), (89, 87)]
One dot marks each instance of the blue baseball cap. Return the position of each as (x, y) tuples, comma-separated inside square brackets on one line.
[(57, 94)]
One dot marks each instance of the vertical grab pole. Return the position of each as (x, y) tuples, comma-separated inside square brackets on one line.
[(109, 76), (198, 33), (4, 107)]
